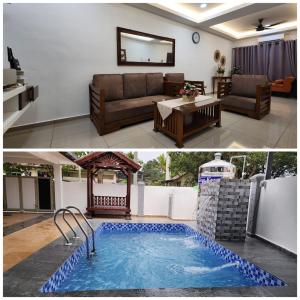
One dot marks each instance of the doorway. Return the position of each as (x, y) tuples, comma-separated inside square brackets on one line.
[(44, 193)]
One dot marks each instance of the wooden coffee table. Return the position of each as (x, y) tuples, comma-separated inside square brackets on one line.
[(188, 119)]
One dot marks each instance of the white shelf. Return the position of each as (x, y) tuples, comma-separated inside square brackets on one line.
[(9, 118), (13, 92)]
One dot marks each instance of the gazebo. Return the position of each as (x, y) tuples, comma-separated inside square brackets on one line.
[(108, 160)]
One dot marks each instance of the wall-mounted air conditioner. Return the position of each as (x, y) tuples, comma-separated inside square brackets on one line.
[(269, 38)]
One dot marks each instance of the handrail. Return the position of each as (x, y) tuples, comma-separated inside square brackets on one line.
[(75, 234), (58, 227), (68, 242), (88, 223)]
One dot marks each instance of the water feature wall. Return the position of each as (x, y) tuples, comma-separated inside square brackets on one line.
[(222, 209)]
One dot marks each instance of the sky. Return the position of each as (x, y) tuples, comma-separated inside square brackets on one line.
[(149, 155)]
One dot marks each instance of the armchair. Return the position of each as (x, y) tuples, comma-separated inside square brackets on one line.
[(283, 85), (246, 94)]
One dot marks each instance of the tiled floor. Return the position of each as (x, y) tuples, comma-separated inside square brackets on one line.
[(14, 218), (21, 224), (276, 130), (19, 245)]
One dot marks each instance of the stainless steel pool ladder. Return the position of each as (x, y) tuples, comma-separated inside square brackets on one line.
[(68, 243)]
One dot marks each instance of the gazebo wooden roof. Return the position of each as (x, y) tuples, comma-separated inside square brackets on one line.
[(107, 160)]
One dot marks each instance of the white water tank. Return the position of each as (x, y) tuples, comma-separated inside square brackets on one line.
[(216, 169)]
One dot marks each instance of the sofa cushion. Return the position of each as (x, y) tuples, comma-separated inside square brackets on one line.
[(128, 108), (278, 81), (112, 85), (174, 77), (239, 102), (134, 85), (245, 85), (155, 83)]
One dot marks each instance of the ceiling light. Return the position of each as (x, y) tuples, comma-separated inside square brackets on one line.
[(180, 9), (203, 5)]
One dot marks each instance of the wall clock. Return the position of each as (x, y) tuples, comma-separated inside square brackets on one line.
[(196, 37)]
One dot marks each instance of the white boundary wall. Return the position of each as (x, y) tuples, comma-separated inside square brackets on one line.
[(75, 193), (156, 198), (28, 190), (174, 202), (12, 193), (277, 213)]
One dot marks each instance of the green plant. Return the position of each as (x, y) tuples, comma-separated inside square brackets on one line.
[(220, 70), (236, 70)]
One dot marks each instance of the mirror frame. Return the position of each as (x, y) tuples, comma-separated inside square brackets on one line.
[(133, 63)]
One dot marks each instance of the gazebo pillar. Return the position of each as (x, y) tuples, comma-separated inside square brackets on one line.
[(88, 177), (128, 212), (91, 192)]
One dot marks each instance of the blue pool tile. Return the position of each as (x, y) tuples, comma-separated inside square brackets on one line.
[(249, 270)]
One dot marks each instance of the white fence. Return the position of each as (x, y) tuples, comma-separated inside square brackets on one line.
[(157, 199), (277, 213), (22, 193)]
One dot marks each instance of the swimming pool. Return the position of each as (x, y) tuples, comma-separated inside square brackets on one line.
[(147, 255)]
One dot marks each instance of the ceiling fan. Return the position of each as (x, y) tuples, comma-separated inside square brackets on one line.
[(261, 27)]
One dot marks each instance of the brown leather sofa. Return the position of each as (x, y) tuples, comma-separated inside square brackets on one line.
[(117, 100), (246, 94)]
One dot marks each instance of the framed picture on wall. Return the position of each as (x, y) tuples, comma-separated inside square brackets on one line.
[(123, 55)]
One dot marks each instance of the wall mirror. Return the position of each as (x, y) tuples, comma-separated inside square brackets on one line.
[(135, 48)]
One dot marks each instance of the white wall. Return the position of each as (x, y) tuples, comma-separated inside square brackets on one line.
[(12, 192), (185, 204), (277, 213), (60, 47), (156, 198), (28, 192), (156, 201), (289, 35), (75, 193)]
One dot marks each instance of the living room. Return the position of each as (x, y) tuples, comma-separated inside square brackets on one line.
[(60, 47)]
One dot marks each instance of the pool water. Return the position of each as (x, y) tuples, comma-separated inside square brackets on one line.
[(143, 260)]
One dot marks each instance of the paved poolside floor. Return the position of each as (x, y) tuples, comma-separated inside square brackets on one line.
[(40, 256), (13, 222), (24, 242), (10, 219)]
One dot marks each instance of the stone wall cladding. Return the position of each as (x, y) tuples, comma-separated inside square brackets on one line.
[(208, 208), (223, 208)]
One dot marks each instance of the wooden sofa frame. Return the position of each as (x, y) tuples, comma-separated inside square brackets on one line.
[(97, 109), (263, 100), (97, 106)]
